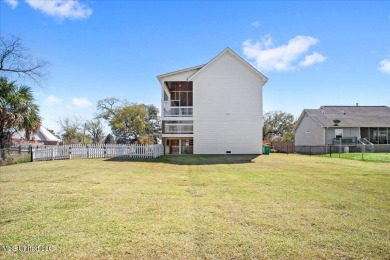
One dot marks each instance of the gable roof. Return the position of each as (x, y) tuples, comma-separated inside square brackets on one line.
[(349, 116), (198, 69), (228, 50), (41, 135), (47, 136), (195, 69)]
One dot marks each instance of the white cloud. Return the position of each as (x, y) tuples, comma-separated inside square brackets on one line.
[(312, 59), (12, 3), (81, 102), (52, 100), (256, 24), (280, 58), (384, 66), (71, 9)]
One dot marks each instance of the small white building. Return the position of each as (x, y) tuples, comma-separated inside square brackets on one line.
[(40, 137), (215, 108)]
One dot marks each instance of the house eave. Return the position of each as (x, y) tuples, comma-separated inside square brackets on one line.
[(160, 77)]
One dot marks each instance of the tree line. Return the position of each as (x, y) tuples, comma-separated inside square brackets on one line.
[(129, 122)]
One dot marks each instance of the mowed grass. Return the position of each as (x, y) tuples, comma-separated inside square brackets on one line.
[(369, 157), (188, 207)]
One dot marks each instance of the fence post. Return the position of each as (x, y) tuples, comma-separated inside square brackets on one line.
[(340, 148), (32, 153), (70, 152), (20, 149), (105, 151), (87, 151), (52, 153)]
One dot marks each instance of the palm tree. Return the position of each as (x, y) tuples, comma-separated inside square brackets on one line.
[(17, 111), (31, 121)]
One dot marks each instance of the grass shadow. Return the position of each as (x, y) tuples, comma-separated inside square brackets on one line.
[(192, 159)]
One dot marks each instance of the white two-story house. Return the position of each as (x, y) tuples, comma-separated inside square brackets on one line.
[(214, 108)]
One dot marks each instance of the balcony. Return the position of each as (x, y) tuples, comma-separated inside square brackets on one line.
[(345, 140), (178, 129), (178, 111)]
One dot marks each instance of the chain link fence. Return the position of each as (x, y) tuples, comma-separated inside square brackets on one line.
[(380, 153)]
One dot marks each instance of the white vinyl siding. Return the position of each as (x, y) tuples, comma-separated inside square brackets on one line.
[(227, 111), (309, 132)]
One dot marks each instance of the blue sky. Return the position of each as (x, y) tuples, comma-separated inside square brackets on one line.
[(313, 52)]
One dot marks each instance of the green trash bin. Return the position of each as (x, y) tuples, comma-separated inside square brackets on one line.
[(267, 149)]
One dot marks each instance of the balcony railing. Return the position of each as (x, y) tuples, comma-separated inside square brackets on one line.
[(345, 140), (175, 149), (187, 149), (178, 111), (178, 129)]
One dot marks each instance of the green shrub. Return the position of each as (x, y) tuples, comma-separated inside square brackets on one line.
[(15, 159)]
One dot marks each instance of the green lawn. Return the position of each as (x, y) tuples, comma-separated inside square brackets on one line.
[(187, 207), (369, 157)]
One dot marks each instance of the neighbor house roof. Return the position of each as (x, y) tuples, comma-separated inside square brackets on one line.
[(41, 135), (349, 116), (47, 136)]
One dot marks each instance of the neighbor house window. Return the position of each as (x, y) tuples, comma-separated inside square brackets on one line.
[(338, 133)]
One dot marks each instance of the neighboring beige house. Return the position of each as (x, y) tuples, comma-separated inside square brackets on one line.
[(214, 108), (41, 137), (352, 126)]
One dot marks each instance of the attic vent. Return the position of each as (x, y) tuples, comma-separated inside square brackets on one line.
[(336, 122), (228, 151)]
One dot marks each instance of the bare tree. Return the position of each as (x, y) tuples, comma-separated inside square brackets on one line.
[(71, 130), (15, 60), (95, 128), (107, 108)]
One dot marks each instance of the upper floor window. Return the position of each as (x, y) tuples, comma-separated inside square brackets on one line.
[(180, 93)]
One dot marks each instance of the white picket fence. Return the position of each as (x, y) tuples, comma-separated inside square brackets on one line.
[(60, 152)]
